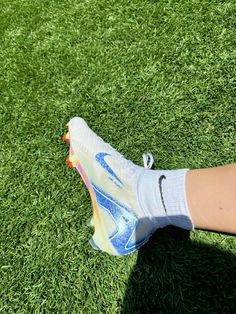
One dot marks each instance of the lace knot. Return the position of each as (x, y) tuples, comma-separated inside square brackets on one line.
[(148, 160)]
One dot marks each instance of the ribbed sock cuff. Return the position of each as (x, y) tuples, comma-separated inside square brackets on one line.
[(175, 200), (162, 197)]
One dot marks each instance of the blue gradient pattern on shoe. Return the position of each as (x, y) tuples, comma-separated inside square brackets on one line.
[(125, 219), (100, 159)]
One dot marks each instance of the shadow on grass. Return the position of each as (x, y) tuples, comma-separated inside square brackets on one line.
[(176, 275)]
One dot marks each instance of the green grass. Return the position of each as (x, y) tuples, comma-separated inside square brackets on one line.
[(146, 75)]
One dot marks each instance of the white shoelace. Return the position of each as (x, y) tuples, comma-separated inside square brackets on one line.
[(148, 160)]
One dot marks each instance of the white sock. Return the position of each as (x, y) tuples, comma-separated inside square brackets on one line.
[(162, 197)]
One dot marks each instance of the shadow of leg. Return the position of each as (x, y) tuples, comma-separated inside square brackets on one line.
[(176, 275)]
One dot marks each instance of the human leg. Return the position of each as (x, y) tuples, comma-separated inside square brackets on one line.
[(130, 202), (211, 197)]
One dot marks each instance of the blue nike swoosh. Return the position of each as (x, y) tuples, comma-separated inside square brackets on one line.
[(126, 222), (100, 159)]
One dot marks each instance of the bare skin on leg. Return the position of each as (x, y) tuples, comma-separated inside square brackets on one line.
[(211, 196)]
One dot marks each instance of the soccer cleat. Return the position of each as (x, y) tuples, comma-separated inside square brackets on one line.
[(112, 183), (66, 138)]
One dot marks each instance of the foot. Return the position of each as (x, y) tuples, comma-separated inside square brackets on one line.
[(121, 226)]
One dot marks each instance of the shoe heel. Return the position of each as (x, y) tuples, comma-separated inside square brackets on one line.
[(90, 222), (93, 244)]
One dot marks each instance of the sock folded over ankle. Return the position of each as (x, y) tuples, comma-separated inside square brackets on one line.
[(162, 196)]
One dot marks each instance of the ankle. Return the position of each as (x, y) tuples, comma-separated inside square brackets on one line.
[(162, 196)]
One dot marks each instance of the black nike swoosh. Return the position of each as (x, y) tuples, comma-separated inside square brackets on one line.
[(160, 187)]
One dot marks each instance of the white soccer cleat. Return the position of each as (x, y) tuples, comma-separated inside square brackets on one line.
[(112, 183)]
